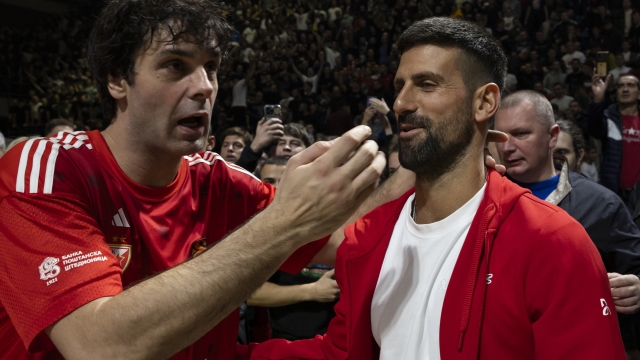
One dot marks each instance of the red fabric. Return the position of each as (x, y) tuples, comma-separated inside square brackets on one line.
[(544, 300), (102, 232), (630, 169)]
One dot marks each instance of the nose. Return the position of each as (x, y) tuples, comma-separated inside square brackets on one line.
[(508, 147), (204, 85), (405, 102)]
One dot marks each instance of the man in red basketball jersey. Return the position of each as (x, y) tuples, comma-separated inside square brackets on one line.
[(85, 216)]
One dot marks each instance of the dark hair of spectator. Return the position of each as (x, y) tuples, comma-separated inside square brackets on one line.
[(56, 122), (126, 27), (573, 130), (299, 132), (481, 62), (276, 160), (237, 131)]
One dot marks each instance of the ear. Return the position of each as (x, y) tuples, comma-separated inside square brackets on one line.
[(118, 87), (580, 157), (554, 132), (211, 142), (486, 102)]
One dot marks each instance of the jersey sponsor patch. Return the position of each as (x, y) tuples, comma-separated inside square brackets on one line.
[(49, 269), (122, 252)]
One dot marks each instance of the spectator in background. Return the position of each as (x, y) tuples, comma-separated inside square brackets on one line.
[(620, 69), (529, 161), (56, 125), (295, 139), (267, 132), (233, 141), (588, 167), (561, 98), (393, 162), (618, 127), (570, 146), (554, 76)]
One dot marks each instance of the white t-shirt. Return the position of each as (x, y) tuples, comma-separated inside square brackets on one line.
[(407, 302), (590, 171), (301, 21), (615, 73), (240, 94), (575, 55), (331, 56), (314, 82), (250, 34), (563, 103)]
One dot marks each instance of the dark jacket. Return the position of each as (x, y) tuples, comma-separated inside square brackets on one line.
[(606, 125), (605, 218)]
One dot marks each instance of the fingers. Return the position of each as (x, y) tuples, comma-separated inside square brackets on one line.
[(310, 154), (612, 275), (623, 280), (346, 144), (328, 274), (363, 157), (497, 136), (623, 293), (368, 176), (627, 310), (261, 122), (626, 301)]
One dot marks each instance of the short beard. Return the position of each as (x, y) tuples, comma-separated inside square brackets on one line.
[(434, 155)]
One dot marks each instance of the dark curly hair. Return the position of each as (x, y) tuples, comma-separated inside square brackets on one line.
[(481, 62), (125, 27)]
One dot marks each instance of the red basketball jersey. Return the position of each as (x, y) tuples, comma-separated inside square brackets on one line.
[(75, 228)]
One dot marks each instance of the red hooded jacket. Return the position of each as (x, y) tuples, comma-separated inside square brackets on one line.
[(528, 284)]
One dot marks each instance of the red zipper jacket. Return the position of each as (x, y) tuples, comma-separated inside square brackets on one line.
[(528, 284)]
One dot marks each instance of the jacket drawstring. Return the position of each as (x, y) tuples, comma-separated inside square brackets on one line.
[(478, 251)]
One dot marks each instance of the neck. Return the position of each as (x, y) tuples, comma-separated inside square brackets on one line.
[(439, 198), (630, 109), (142, 165)]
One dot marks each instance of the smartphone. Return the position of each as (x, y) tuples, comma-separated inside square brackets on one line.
[(272, 111), (369, 100), (601, 65)]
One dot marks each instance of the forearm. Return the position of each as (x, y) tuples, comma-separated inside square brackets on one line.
[(143, 321), (273, 295)]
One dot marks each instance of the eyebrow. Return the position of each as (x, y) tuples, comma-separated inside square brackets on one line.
[(420, 76), (172, 50)]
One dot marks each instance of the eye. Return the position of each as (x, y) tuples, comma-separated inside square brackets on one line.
[(174, 66), (211, 67)]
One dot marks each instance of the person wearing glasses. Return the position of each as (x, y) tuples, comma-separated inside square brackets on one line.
[(618, 127)]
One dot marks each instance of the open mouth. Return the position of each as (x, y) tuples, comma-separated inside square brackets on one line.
[(192, 122)]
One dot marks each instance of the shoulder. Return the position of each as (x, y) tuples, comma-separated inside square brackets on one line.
[(593, 195), (32, 166)]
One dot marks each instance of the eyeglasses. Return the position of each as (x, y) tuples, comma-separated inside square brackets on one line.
[(626, 85)]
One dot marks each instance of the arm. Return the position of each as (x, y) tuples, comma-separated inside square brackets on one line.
[(273, 295), (319, 194), (576, 290), (295, 69), (597, 122)]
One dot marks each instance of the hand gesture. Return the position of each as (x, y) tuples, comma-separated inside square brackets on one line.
[(380, 105), (599, 87), (368, 114), (325, 289), (266, 133), (489, 161), (626, 292)]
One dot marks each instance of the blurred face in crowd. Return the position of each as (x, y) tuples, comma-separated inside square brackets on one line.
[(619, 60), (556, 66), (575, 65), (232, 146), (434, 111), (627, 90), (169, 105), (575, 108), (526, 154), (289, 146), (558, 91), (564, 147), (272, 173)]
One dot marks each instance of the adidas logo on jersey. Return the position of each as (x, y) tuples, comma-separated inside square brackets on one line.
[(119, 220)]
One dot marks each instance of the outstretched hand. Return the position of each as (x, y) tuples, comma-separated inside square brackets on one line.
[(599, 87)]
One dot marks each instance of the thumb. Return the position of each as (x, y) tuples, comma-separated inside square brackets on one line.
[(261, 122), (328, 274)]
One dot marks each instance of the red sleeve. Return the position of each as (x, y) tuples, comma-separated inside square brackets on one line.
[(301, 257), (562, 327), (54, 260)]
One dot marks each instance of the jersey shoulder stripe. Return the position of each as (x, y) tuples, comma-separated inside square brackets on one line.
[(211, 158), (36, 168)]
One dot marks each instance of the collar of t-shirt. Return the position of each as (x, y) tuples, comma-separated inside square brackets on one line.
[(541, 189)]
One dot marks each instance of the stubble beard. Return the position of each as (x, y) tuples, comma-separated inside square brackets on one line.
[(432, 155)]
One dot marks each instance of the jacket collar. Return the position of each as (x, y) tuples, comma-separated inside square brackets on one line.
[(564, 187)]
